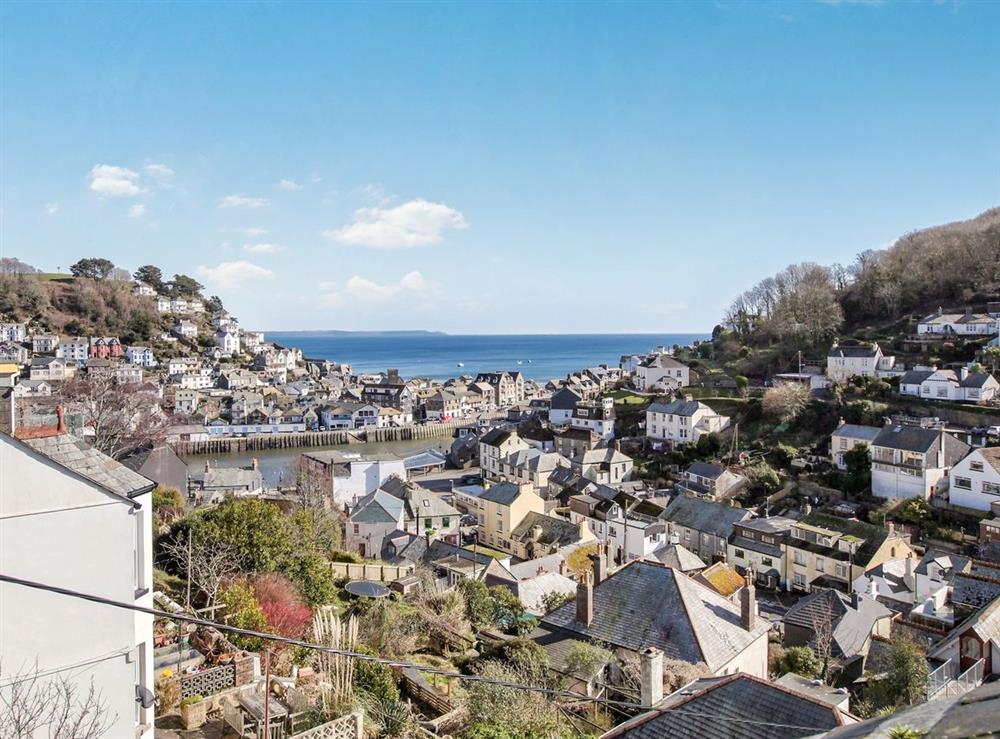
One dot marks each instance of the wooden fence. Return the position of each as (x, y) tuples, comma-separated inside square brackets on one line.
[(379, 571)]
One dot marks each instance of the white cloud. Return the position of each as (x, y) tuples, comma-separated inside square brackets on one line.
[(362, 290), (115, 182), (136, 211), (243, 201), (52, 208), (231, 275), (289, 185), (414, 223), (160, 171), (263, 248), (253, 231)]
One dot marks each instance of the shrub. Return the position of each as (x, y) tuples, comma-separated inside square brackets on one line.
[(243, 611)]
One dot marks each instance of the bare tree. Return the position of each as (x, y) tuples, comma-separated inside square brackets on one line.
[(785, 401), (312, 487), (822, 628), (123, 416), (33, 705), (207, 565)]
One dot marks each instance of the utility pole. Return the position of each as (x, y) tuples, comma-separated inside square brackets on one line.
[(267, 692), (187, 571)]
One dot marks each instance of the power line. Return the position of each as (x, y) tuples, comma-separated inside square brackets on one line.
[(101, 600)]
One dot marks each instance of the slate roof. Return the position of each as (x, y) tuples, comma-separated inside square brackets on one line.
[(705, 469), (851, 626), (83, 459), (857, 431), (377, 507), (722, 578), (921, 440), (944, 560), (720, 707), (704, 515), (503, 493), (991, 455), (664, 361), (555, 531), (495, 437), (853, 352), (954, 717), (678, 407), (679, 557), (646, 604), (915, 377), (872, 536)]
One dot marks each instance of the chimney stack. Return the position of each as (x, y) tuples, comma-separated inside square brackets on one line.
[(651, 667), (254, 464), (393, 377), (856, 599), (600, 565), (562, 567), (584, 600), (748, 604), (908, 574)]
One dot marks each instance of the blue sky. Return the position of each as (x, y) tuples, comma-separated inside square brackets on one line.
[(490, 168)]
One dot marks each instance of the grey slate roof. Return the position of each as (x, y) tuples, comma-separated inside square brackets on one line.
[(921, 440), (646, 604), (721, 707), (851, 626), (555, 531), (856, 352), (973, 592), (857, 431), (678, 407), (972, 714), (704, 515), (80, 457), (503, 493), (705, 469), (914, 377), (378, 507), (679, 557)]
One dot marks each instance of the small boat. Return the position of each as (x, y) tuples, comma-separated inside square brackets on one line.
[(529, 361), (520, 362), (460, 364)]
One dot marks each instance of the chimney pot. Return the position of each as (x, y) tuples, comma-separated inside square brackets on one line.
[(584, 599), (748, 604), (651, 668)]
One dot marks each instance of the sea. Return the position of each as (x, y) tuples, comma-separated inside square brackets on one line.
[(441, 356)]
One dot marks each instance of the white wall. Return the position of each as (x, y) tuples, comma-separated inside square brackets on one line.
[(60, 530), (975, 497), (366, 477)]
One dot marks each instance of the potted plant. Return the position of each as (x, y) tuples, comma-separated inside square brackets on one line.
[(194, 711)]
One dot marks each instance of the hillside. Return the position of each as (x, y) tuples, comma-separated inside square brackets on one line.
[(88, 306), (806, 305)]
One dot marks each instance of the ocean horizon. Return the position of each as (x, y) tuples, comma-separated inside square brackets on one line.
[(438, 355)]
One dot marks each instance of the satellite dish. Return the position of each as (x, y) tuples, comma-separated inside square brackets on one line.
[(144, 697)]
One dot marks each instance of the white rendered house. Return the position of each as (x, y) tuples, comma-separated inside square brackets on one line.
[(682, 421), (974, 482), (913, 462), (73, 518)]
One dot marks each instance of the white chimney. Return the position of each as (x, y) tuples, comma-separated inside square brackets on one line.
[(651, 667)]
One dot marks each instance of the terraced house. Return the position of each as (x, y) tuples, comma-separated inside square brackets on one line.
[(824, 551)]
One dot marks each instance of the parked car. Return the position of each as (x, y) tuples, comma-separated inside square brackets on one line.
[(993, 431)]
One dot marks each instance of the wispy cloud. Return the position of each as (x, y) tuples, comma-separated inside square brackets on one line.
[(363, 290), (289, 185), (243, 201), (110, 181), (232, 275), (159, 171), (253, 231), (52, 208), (263, 248), (137, 211), (414, 223)]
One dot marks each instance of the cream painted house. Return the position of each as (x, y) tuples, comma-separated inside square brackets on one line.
[(501, 509), (845, 362), (495, 446), (828, 551), (846, 437)]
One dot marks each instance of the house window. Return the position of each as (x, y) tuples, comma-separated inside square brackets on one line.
[(976, 466), (357, 529), (991, 488), (445, 522), (767, 561), (799, 580), (841, 570), (428, 524), (800, 558), (963, 482), (820, 564), (740, 554)]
